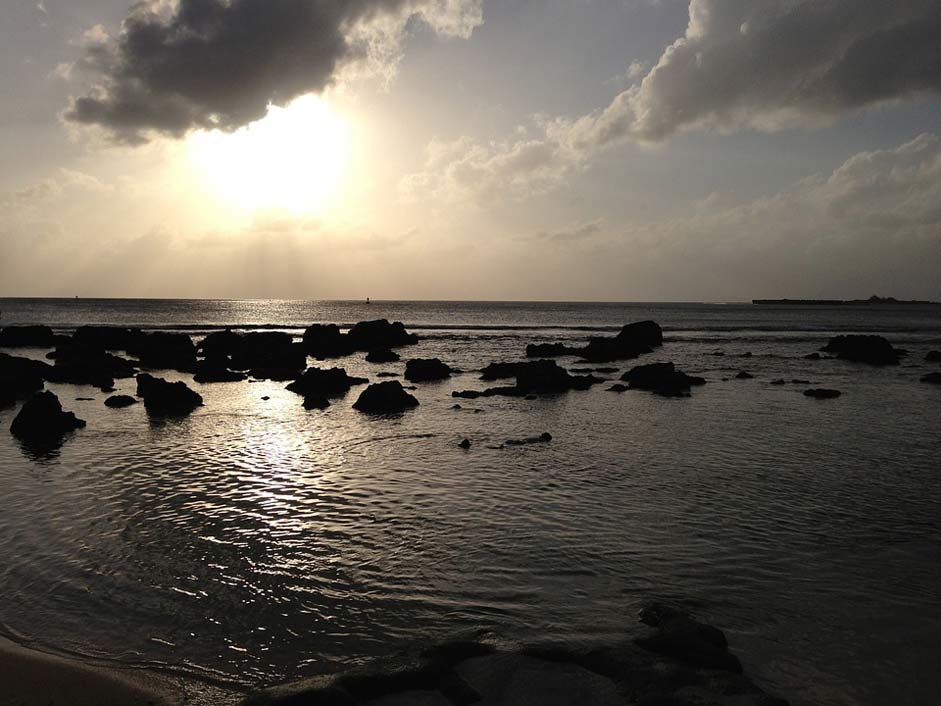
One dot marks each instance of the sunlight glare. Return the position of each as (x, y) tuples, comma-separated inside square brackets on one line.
[(294, 159)]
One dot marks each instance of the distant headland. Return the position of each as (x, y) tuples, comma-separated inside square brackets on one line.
[(842, 302)]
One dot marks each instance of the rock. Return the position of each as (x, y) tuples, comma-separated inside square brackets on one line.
[(679, 636), (42, 418), (744, 375), (466, 444), (718, 354), (326, 341), (120, 401), (164, 351), (84, 399), (109, 338), (166, 398), (795, 381), (932, 378), (269, 355), (265, 398), (606, 371), (543, 438), (874, 350), (26, 337), (546, 377), (662, 379), (497, 371), (210, 372), (369, 335), (456, 406), (382, 355), (316, 402), (426, 370), (387, 375), (549, 350), (618, 387), (220, 345), (779, 381), (87, 364), (812, 356), (329, 383), (385, 397), (20, 378), (822, 393), (747, 354), (469, 394), (933, 357)]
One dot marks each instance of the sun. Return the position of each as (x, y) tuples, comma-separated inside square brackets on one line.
[(294, 160)]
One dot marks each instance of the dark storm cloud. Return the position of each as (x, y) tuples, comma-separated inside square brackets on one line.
[(219, 63)]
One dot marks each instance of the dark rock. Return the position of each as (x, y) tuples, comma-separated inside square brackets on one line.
[(166, 398), (109, 338), (20, 378), (466, 444), (316, 402), (387, 375), (272, 354), (795, 381), (26, 337), (812, 356), (468, 394), (497, 371), (42, 418), (679, 636), (662, 379), (606, 371), (647, 334), (119, 401), (208, 371), (369, 335), (84, 399), (743, 375), (546, 377), (385, 397), (933, 357), (779, 381), (822, 393), (164, 351), (85, 364), (382, 355), (265, 398), (747, 354), (456, 406), (718, 354), (549, 350), (874, 350), (932, 378), (220, 344), (426, 370), (329, 383), (276, 374), (543, 438), (326, 341), (618, 387)]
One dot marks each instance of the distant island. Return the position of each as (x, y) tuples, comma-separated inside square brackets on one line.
[(842, 302)]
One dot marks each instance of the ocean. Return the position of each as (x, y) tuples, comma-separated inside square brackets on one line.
[(255, 542)]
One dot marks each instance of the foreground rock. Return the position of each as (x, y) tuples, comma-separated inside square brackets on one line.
[(661, 379), (682, 663), (426, 370), (822, 393), (932, 378), (19, 378), (42, 419), (385, 397), (382, 355), (166, 398), (873, 350), (88, 364), (326, 384), (120, 401), (164, 351), (26, 337)]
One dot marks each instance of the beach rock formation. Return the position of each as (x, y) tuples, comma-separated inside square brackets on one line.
[(633, 340), (326, 383), (42, 418), (382, 355), (535, 377), (677, 635), (932, 378), (426, 370), (265, 355), (164, 351), (661, 379), (369, 335), (120, 401), (316, 402), (618, 387), (873, 350), (220, 345), (26, 337), (465, 444), (166, 398), (213, 370), (822, 393), (549, 350), (326, 341), (109, 338), (19, 378), (385, 397), (497, 371), (88, 364)]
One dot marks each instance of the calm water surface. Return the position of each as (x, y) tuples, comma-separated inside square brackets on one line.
[(255, 542)]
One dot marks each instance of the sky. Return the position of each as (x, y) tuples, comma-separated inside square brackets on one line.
[(609, 150)]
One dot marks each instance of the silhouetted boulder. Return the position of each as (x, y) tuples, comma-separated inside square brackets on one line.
[(618, 387), (164, 351), (20, 378), (932, 378), (316, 402), (466, 444), (933, 357), (496, 371), (369, 335), (120, 401), (874, 350), (677, 635), (42, 418), (545, 376), (543, 438), (779, 381), (26, 337), (169, 398), (822, 393), (426, 370), (209, 371), (385, 397), (550, 350), (744, 375), (326, 341), (269, 355), (318, 382), (647, 334), (812, 356), (88, 364), (110, 338), (662, 379), (382, 355), (220, 345)]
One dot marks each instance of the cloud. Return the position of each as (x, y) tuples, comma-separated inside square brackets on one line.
[(581, 231), (65, 179), (179, 65)]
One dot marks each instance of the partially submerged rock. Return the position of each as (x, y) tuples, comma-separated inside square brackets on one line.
[(110, 338), (42, 418), (932, 378), (543, 438), (88, 364), (535, 377), (211, 371), (873, 350), (382, 355), (316, 402), (369, 335), (328, 383), (661, 379), (744, 375), (19, 378), (677, 635), (26, 337), (164, 351), (822, 393), (166, 398), (385, 397), (120, 401), (426, 370)]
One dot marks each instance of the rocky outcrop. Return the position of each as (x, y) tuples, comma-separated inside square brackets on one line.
[(220, 345), (744, 375), (120, 401), (324, 383), (108, 338), (369, 335), (164, 351), (932, 378), (385, 397), (382, 355), (822, 393), (210, 371), (633, 340), (543, 438), (19, 378), (661, 379), (166, 398), (535, 377), (497, 371), (26, 337), (873, 350), (679, 636), (326, 341), (426, 370), (88, 364), (550, 350), (42, 419)]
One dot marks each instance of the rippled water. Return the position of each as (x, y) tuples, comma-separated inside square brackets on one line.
[(255, 542)]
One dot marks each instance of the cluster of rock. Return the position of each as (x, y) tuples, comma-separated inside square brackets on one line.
[(324, 341), (632, 341), (873, 350), (661, 379), (681, 662), (538, 377)]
